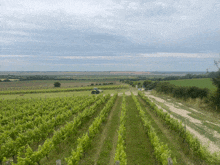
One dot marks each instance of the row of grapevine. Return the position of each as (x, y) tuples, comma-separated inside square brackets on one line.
[(19, 128), (63, 89), (12, 112), (28, 122), (120, 154), (85, 141), (199, 150), (10, 147), (31, 157), (161, 150)]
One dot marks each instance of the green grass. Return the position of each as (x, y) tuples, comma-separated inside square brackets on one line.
[(201, 83), (100, 153), (212, 126), (138, 146)]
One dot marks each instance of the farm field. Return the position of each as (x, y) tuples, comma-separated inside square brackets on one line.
[(201, 83), (58, 89), (120, 125), (48, 84), (53, 95)]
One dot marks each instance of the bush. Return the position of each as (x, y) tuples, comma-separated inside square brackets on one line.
[(215, 97), (57, 84), (182, 92)]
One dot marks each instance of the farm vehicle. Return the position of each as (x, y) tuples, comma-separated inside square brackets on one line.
[(96, 91)]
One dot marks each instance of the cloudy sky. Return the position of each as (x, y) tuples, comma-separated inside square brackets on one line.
[(109, 35)]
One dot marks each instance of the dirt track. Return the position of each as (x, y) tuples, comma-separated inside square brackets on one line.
[(213, 146)]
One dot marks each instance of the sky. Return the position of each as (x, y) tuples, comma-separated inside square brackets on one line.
[(110, 35)]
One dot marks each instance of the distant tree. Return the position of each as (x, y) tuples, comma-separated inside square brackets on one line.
[(6, 80), (146, 83), (57, 84), (216, 97), (92, 84), (216, 80)]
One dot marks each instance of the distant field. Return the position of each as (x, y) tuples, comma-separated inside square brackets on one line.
[(201, 83), (60, 94), (48, 84)]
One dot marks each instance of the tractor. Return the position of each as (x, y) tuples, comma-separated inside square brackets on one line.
[(96, 91)]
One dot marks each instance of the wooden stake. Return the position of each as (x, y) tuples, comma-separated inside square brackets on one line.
[(170, 162), (58, 162), (117, 162)]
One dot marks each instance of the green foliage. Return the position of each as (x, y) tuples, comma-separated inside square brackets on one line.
[(120, 154), (182, 92), (85, 141), (177, 126), (45, 125), (200, 83), (57, 84), (215, 98), (63, 89), (162, 151)]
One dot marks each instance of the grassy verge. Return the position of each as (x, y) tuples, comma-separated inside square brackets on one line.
[(198, 104), (199, 128)]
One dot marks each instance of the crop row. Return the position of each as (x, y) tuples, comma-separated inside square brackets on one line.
[(120, 154), (85, 141), (10, 147), (32, 108), (38, 116), (32, 157), (162, 152), (194, 144)]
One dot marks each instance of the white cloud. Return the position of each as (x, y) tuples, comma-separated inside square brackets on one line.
[(15, 56), (181, 55), (94, 57), (159, 22)]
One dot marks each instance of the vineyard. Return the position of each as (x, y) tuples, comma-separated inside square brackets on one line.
[(61, 89), (95, 130)]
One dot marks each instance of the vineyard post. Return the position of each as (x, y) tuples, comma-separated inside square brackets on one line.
[(117, 162), (170, 162), (8, 163), (58, 162)]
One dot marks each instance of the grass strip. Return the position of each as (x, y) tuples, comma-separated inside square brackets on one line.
[(138, 147)]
